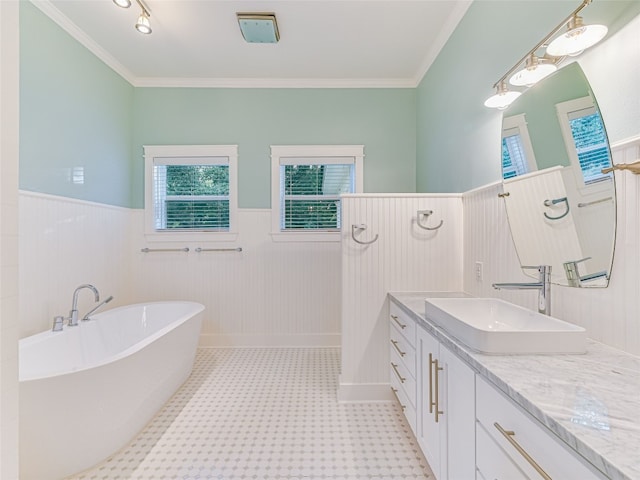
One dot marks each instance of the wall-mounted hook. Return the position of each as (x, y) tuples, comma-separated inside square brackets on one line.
[(359, 228), (555, 201), (426, 214)]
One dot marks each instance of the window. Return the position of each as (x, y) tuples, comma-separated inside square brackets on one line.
[(307, 182), (517, 152), (585, 139), (190, 189)]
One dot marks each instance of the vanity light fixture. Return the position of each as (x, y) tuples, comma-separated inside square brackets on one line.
[(573, 42), (503, 97), (535, 69), (142, 25)]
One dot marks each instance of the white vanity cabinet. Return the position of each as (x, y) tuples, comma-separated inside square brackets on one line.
[(446, 409), (512, 446), (402, 355)]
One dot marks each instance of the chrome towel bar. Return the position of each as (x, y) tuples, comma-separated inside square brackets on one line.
[(152, 250)]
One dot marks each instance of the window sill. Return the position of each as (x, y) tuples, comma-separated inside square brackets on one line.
[(191, 237), (306, 236)]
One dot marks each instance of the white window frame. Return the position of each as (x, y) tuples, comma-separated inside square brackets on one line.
[(310, 155), (564, 110), (519, 123), (190, 154)]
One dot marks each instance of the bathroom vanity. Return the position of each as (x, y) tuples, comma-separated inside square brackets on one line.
[(550, 416)]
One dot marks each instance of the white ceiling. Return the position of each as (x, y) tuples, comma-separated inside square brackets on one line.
[(340, 43)]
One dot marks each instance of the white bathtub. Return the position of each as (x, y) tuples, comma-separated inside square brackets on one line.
[(86, 391)]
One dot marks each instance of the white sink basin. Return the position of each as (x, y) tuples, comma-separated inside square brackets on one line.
[(490, 325)]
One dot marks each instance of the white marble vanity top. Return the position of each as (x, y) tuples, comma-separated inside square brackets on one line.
[(591, 401)]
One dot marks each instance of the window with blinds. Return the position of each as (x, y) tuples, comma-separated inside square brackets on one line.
[(591, 144), (192, 196), (190, 192), (310, 195), (514, 158)]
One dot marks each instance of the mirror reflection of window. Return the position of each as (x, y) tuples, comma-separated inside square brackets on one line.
[(585, 139), (517, 152)]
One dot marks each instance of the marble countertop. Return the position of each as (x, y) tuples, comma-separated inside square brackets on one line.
[(590, 401)]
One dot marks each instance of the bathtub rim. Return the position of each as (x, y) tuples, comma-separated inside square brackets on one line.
[(43, 336)]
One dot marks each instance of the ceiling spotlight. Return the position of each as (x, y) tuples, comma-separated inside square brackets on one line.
[(577, 38), (123, 3), (143, 25), (503, 97), (535, 70)]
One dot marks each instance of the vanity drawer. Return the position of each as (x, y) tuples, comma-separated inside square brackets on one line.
[(401, 376), (408, 409), (403, 348), (520, 436), (406, 325)]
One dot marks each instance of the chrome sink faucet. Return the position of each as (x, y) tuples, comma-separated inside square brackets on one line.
[(73, 314), (543, 285)]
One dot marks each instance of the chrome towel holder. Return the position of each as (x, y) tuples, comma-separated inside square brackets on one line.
[(555, 201), (360, 227), (426, 213)]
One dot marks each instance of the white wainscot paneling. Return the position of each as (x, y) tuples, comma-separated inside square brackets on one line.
[(270, 294), (64, 243), (404, 258), (611, 314)]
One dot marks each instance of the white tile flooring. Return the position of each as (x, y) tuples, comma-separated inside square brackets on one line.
[(268, 414)]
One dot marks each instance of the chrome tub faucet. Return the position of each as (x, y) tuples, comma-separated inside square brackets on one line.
[(543, 285), (93, 310), (73, 314)]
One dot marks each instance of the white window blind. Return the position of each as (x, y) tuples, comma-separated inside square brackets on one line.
[(514, 158), (591, 144), (191, 196), (310, 194)]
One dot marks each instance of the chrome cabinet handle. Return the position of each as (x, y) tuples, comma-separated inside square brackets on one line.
[(395, 344), (395, 369), (395, 393), (400, 324), (436, 405), (509, 434)]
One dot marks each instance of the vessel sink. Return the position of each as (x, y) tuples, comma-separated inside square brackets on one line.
[(490, 325)]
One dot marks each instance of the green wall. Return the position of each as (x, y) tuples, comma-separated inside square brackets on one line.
[(383, 120), (75, 117)]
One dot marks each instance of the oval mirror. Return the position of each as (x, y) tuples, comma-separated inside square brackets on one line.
[(560, 205)]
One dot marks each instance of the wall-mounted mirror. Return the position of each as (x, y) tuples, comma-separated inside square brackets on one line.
[(561, 207)]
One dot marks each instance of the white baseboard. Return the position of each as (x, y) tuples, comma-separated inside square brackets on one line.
[(311, 340), (364, 392)]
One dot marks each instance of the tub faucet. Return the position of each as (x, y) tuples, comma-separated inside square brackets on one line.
[(543, 285), (73, 314)]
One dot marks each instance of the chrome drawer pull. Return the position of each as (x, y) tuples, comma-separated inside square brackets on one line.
[(509, 434), (395, 393), (395, 318), (395, 344), (395, 369)]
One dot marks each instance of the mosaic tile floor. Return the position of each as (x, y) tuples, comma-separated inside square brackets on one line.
[(267, 414)]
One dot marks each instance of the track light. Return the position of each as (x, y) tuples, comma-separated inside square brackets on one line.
[(578, 38), (503, 97), (143, 25)]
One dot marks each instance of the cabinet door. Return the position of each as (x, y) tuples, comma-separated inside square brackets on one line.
[(428, 429), (458, 458)]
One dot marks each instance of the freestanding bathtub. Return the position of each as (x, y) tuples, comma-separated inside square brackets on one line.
[(86, 391)]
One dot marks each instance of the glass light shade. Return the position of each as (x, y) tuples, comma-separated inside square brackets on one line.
[(123, 3), (578, 38), (531, 75), (502, 99), (143, 25)]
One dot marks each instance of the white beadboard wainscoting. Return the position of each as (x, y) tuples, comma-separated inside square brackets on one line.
[(270, 294), (64, 243), (403, 258), (610, 315)]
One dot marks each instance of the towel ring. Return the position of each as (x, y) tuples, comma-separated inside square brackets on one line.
[(555, 201), (426, 213), (359, 227)]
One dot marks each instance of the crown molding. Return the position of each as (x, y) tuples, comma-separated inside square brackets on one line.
[(275, 82)]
